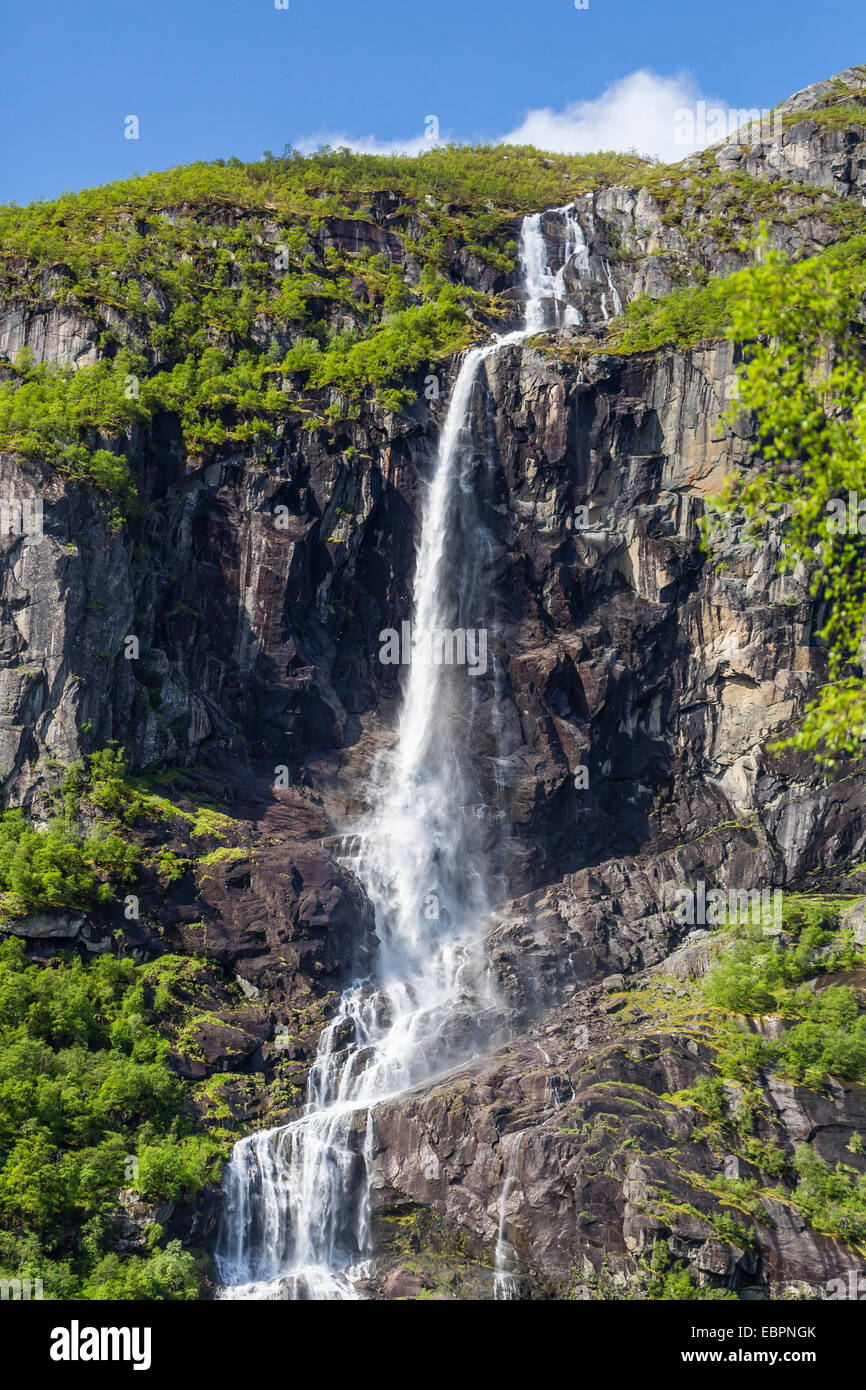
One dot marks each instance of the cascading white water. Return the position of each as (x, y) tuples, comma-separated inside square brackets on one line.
[(504, 1281), (546, 290), (617, 302), (297, 1214)]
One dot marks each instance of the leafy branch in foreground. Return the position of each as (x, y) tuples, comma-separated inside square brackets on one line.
[(804, 380)]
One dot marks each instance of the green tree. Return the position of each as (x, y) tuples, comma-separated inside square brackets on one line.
[(804, 379)]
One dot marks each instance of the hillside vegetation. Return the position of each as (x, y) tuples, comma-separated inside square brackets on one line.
[(220, 299)]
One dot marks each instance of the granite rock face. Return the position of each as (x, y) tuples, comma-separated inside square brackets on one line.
[(800, 144), (578, 1109)]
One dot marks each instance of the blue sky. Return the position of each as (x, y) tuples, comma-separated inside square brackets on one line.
[(211, 78)]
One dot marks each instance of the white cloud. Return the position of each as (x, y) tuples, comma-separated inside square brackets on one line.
[(642, 112), (364, 144)]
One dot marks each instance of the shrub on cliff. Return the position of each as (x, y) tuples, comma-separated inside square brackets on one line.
[(825, 1029), (88, 1104), (681, 319), (56, 867)]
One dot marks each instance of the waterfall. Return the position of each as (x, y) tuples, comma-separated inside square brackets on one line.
[(504, 1282), (296, 1223), (546, 291), (617, 302)]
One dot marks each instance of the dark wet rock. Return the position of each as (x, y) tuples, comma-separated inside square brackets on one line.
[(42, 926), (403, 1283)]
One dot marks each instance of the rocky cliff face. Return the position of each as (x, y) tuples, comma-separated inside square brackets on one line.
[(810, 139), (638, 689), (608, 1165)]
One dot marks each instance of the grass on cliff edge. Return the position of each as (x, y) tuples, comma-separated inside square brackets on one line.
[(218, 292)]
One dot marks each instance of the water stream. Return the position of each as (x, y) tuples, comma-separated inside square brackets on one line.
[(505, 1284), (297, 1216)]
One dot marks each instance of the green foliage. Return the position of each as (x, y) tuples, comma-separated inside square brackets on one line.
[(297, 191), (842, 107), (841, 116), (804, 379), (709, 1094), (834, 1199), (669, 1281), (57, 867), (386, 359), (680, 319), (166, 1274), (707, 206), (699, 313), (193, 276), (818, 1031), (824, 1030), (102, 781), (170, 866), (768, 1157), (56, 413), (84, 1085), (168, 1169), (755, 974)]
